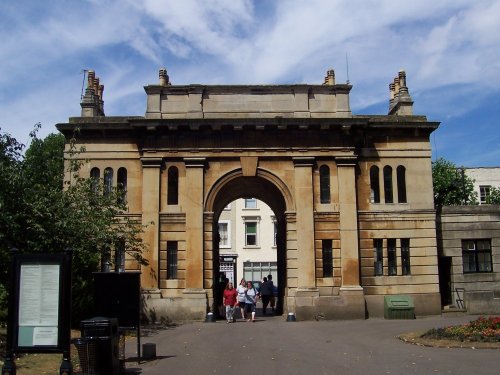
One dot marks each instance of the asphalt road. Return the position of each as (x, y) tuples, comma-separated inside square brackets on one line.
[(273, 346)]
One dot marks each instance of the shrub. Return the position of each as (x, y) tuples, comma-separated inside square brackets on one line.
[(482, 329)]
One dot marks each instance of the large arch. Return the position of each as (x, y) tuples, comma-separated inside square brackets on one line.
[(236, 185), (266, 187)]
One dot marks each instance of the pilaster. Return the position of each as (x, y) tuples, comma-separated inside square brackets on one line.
[(305, 221), (349, 248), (151, 168), (194, 222)]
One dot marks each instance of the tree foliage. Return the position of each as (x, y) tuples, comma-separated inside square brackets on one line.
[(40, 212), (452, 187), (494, 196)]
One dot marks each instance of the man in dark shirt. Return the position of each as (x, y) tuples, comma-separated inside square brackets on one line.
[(266, 292)]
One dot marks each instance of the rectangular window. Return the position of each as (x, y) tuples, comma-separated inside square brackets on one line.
[(171, 260), (484, 193), (405, 256), (378, 257), (388, 184), (251, 233), (256, 271), (224, 234), (120, 256), (391, 256), (476, 256), (251, 203), (327, 258)]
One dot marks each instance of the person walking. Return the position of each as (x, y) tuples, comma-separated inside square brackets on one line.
[(241, 290), (272, 300), (250, 301), (266, 292), (230, 297)]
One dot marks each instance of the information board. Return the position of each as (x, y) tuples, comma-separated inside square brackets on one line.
[(42, 302)]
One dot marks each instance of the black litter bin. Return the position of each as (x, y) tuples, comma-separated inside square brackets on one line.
[(87, 350), (103, 333)]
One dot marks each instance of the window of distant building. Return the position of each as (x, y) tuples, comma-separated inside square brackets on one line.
[(251, 233), (391, 256), (484, 193), (108, 181), (324, 183), (172, 260), (374, 185), (401, 179), (388, 184), (95, 175), (256, 271), (122, 185), (224, 234), (327, 251), (173, 186), (378, 257), (476, 256), (250, 203), (120, 256), (405, 256)]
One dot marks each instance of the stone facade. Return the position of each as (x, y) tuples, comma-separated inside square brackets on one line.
[(484, 178), (352, 194), (469, 257)]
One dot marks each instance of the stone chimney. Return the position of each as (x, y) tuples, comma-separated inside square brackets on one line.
[(92, 103), (330, 78), (400, 102), (164, 79)]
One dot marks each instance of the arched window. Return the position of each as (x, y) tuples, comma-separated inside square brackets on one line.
[(173, 186), (108, 180), (401, 177), (374, 185), (388, 184), (95, 175), (324, 184), (122, 185)]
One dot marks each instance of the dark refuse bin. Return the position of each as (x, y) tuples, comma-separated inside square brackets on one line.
[(86, 348), (103, 333)]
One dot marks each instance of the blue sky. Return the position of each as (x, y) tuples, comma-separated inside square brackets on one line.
[(450, 50)]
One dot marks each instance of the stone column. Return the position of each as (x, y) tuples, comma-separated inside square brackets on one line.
[(305, 221), (151, 167), (193, 207), (307, 294), (348, 223)]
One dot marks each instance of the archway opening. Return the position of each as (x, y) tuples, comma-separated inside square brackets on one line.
[(240, 222)]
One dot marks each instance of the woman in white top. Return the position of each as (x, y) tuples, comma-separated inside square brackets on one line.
[(242, 289), (251, 300)]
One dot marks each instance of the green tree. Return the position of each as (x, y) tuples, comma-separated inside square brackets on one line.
[(494, 196), (43, 213), (452, 187), (10, 162)]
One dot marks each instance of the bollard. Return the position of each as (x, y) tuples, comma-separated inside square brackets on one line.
[(290, 317), (210, 318)]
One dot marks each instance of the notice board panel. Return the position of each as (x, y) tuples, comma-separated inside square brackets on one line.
[(40, 316)]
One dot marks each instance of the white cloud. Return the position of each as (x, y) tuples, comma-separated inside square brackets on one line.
[(450, 47)]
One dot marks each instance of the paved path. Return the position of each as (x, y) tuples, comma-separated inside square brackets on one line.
[(273, 346)]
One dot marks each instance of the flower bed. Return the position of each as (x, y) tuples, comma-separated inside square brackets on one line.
[(479, 330)]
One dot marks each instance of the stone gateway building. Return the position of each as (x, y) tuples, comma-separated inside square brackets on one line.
[(351, 194)]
